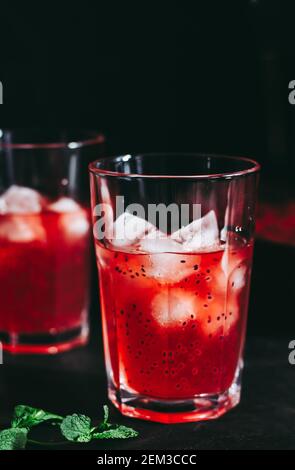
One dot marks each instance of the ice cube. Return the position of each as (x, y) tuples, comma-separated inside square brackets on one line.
[(129, 229), (64, 204), (22, 229), (21, 200), (238, 277), (73, 218), (219, 317), (173, 307), (230, 260), (75, 225), (202, 234), (171, 267), (159, 245), (2, 205)]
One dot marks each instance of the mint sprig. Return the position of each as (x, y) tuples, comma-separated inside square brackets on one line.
[(27, 417), (75, 428), (117, 432), (13, 439)]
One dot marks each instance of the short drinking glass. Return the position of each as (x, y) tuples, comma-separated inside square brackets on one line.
[(44, 238), (174, 242)]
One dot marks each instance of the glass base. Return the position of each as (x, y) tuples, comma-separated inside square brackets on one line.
[(198, 408), (43, 343)]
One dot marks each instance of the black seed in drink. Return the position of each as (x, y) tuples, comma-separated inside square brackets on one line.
[(196, 267), (208, 271), (184, 323), (182, 261), (218, 318), (136, 274), (209, 319), (205, 305), (132, 277)]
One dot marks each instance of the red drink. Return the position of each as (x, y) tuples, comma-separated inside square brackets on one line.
[(174, 242), (44, 276), (174, 324)]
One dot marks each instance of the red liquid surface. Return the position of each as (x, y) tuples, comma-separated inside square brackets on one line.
[(174, 324), (43, 272)]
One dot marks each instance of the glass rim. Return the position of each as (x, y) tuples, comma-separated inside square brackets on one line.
[(98, 138), (254, 168)]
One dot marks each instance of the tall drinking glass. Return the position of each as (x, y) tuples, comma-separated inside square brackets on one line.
[(44, 238), (174, 242)]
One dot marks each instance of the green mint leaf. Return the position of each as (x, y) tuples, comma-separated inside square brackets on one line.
[(77, 428), (119, 432), (27, 416), (104, 425), (106, 415), (13, 439)]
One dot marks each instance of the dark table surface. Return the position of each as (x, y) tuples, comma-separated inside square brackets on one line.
[(75, 382), (265, 418)]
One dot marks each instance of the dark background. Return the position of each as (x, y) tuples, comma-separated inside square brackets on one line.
[(167, 76), (200, 75)]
